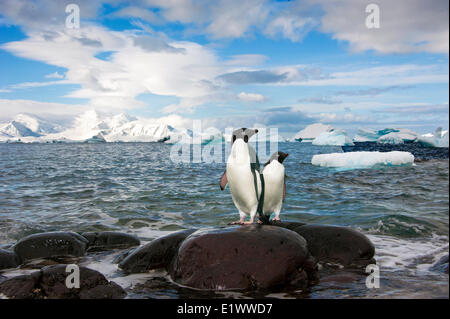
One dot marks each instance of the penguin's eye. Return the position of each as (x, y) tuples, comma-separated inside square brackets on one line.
[(234, 138), (245, 138)]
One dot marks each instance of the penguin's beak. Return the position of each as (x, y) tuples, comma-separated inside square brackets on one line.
[(283, 157), (251, 132)]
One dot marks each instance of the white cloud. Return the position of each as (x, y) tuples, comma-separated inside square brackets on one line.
[(246, 60), (10, 108), (252, 97), (54, 75), (137, 12), (343, 118), (291, 27), (389, 75), (44, 14), (186, 71), (219, 19), (405, 25), (26, 85)]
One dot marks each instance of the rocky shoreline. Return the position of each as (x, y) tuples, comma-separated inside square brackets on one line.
[(281, 256)]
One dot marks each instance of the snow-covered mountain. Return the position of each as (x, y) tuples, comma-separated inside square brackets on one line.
[(24, 125), (92, 127)]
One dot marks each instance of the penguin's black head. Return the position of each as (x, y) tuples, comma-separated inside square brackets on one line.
[(243, 133), (278, 156)]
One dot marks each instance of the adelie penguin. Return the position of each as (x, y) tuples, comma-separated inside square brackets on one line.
[(243, 176), (275, 185)]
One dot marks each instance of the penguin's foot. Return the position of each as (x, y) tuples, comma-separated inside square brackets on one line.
[(251, 221), (241, 221), (276, 219)]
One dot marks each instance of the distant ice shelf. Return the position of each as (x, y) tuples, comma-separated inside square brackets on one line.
[(357, 160)]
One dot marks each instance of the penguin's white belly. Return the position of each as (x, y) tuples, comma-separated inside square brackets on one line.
[(242, 187), (274, 185)]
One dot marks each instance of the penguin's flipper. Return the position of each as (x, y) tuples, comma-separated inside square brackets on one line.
[(223, 181), (284, 190)]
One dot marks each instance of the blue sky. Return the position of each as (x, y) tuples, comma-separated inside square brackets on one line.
[(282, 64)]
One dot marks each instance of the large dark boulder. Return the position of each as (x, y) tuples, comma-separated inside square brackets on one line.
[(93, 285), (336, 244), (110, 240), (52, 244), (21, 287), (242, 257), (8, 259), (156, 254), (50, 283)]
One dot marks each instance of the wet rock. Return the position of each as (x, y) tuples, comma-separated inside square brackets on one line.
[(156, 254), (122, 255), (93, 285), (341, 278), (22, 287), (50, 282), (8, 259), (2, 278), (340, 245), (288, 225), (98, 241), (441, 265), (42, 262), (242, 257), (52, 244), (6, 246)]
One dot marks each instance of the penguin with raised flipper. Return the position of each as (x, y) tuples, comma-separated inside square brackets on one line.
[(243, 176), (275, 185)]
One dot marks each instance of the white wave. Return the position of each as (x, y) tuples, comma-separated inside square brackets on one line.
[(413, 255)]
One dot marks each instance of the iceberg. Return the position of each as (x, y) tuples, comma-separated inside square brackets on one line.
[(386, 136), (337, 138), (355, 160), (391, 138), (309, 133), (438, 139), (96, 139), (400, 137), (366, 135), (184, 136)]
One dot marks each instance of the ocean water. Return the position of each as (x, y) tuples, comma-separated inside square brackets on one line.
[(136, 188)]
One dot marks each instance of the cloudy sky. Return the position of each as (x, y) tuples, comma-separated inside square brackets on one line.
[(282, 64)]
